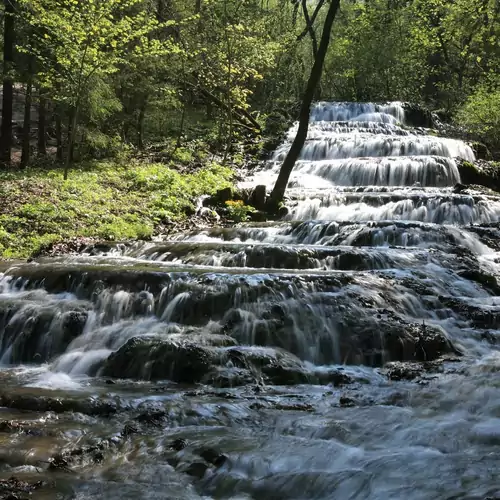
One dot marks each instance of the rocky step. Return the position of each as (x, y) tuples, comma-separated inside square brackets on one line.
[(183, 361), (455, 210), (323, 318), (316, 232), (378, 198), (366, 145), (397, 171), (326, 128), (266, 256)]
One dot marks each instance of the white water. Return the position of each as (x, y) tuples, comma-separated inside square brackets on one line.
[(376, 238)]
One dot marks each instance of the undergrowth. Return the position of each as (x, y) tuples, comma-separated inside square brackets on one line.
[(100, 199)]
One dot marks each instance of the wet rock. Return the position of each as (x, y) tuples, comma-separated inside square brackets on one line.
[(278, 367), (334, 376), (374, 341), (72, 325), (197, 469), (205, 339), (129, 430), (87, 406), (152, 417), (258, 198), (346, 402), (459, 188), (479, 317), (11, 426), (224, 377), (479, 276), (24, 332), (13, 487), (58, 462), (282, 212), (418, 116), (154, 359), (84, 455), (212, 456), (179, 444), (482, 172), (294, 407), (402, 371)]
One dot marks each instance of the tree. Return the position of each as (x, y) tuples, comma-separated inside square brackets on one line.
[(77, 42), (314, 78), (26, 146), (8, 82)]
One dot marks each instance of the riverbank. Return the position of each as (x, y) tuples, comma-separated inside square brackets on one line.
[(100, 200)]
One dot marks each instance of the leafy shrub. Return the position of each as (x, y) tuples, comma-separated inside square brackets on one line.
[(481, 113), (238, 211)]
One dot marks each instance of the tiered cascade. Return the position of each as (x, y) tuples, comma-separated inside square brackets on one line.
[(379, 261)]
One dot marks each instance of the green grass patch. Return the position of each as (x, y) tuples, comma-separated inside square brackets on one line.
[(103, 200)]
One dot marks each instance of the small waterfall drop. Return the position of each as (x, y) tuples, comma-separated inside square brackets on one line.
[(377, 299)]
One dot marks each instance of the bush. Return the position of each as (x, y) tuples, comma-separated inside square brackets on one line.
[(238, 211), (481, 113)]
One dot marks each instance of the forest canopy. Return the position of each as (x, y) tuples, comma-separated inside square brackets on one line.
[(100, 77)]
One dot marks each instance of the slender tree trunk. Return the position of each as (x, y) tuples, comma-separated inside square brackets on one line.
[(310, 26), (72, 129), (59, 139), (229, 140), (8, 86), (181, 128), (42, 124), (316, 71), (71, 141), (140, 123), (26, 146)]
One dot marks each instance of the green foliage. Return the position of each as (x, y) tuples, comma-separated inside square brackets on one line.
[(75, 42), (238, 211), (102, 200), (481, 113), (469, 166)]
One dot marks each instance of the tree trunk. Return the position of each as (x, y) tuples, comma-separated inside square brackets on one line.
[(59, 139), (140, 123), (26, 146), (8, 87), (71, 141), (181, 128), (312, 33), (292, 156), (42, 124)]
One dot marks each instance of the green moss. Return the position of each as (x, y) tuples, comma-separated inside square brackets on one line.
[(103, 200), (469, 165)]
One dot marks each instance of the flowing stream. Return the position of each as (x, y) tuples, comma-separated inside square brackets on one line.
[(349, 351)]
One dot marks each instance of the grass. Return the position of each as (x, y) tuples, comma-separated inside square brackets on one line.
[(101, 199)]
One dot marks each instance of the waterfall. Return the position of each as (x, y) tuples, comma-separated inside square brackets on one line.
[(376, 299)]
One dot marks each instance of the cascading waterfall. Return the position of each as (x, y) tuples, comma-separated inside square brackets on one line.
[(344, 352)]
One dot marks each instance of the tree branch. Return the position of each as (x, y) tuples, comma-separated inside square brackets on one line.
[(310, 24)]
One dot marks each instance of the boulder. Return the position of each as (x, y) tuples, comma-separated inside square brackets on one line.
[(481, 172), (185, 360), (373, 341), (276, 366), (258, 197), (152, 358), (419, 116)]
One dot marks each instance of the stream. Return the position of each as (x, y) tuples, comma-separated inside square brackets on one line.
[(348, 351)]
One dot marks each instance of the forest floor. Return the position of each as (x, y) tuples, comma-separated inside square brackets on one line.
[(104, 200)]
